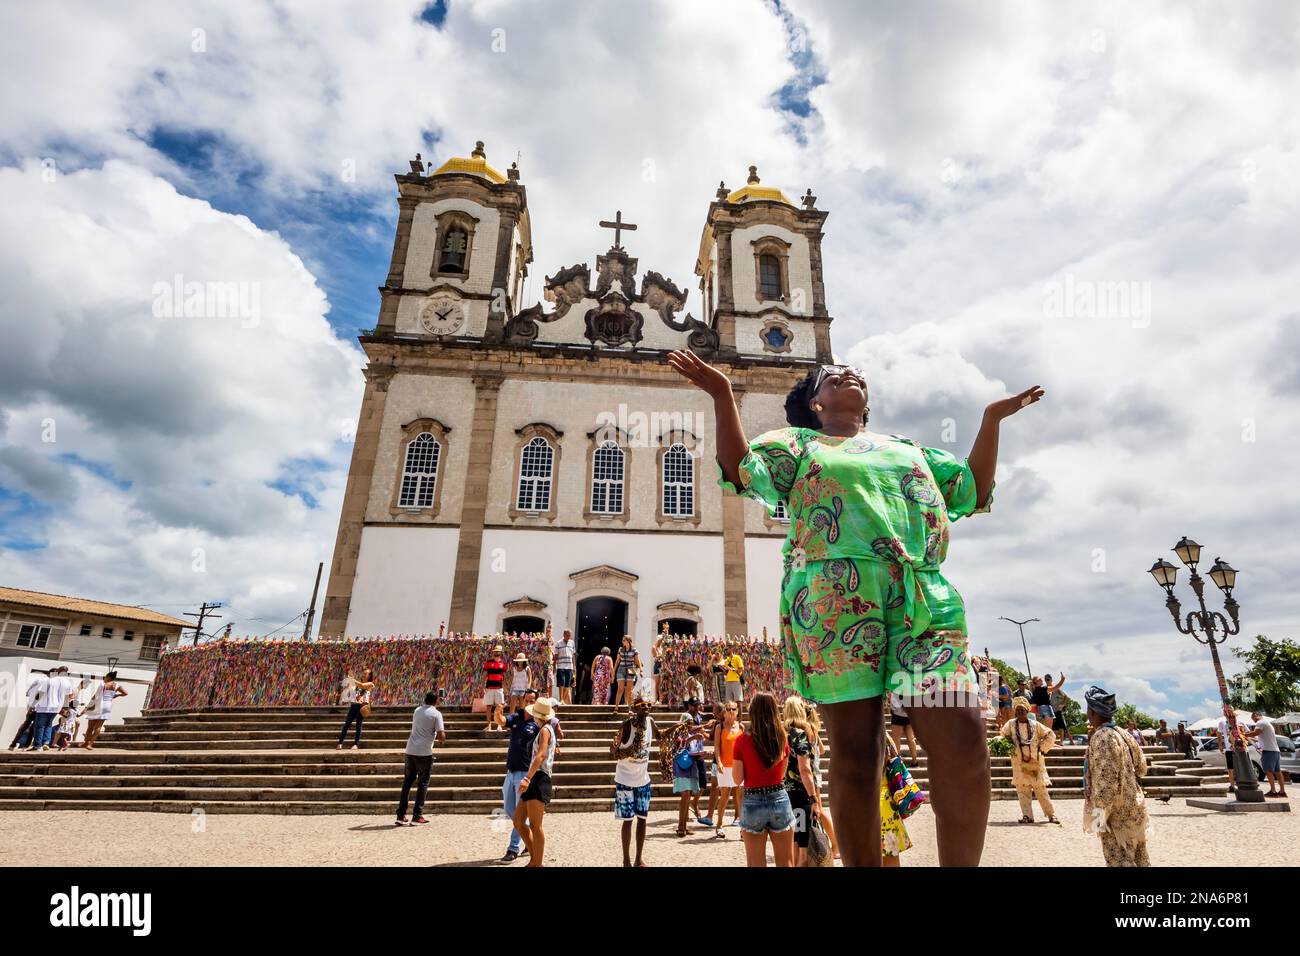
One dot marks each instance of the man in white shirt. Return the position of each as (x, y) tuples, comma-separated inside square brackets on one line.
[(564, 656), (426, 727), (1270, 754), (59, 687)]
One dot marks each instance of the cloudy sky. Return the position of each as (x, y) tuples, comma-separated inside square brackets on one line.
[(1101, 198)]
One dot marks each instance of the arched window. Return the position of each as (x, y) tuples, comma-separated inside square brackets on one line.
[(454, 246), (679, 482), (769, 276), (607, 479), (420, 472), (537, 459)]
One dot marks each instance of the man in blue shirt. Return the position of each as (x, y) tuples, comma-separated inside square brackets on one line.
[(523, 730)]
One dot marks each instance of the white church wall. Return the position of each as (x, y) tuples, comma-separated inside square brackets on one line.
[(576, 409), (763, 571), (410, 307), (404, 579), (760, 412), (424, 239), (518, 562), (450, 401), (744, 279)]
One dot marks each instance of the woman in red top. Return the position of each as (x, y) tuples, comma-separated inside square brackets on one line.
[(759, 757)]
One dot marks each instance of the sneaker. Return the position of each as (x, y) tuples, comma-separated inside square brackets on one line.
[(402, 822), (1232, 788), (704, 821), (510, 856), (418, 820)]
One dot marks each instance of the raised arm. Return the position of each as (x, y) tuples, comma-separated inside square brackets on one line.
[(732, 445), (983, 457)]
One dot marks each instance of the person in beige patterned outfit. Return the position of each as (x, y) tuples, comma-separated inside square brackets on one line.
[(1033, 739), (1113, 802)]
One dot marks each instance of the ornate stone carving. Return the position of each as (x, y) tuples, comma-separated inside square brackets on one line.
[(566, 288), (616, 266), (614, 321), (665, 298)]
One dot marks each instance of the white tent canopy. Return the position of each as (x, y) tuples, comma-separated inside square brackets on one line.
[(1243, 720)]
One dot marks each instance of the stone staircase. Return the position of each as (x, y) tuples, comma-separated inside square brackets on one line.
[(284, 761)]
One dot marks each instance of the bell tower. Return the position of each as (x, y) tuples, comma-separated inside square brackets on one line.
[(461, 253), (760, 269)]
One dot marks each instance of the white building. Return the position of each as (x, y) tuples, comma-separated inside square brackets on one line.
[(520, 466), (40, 631)]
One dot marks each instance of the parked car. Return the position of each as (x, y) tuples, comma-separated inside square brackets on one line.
[(1213, 756)]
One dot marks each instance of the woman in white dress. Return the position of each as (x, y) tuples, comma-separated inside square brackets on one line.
[(100, 708)]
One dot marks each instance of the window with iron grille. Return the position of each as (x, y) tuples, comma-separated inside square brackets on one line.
[(420, 473), (769, 277), (85, 630), (33, 635), (537, 458), (679, 482), (151, 647), (607, 480)]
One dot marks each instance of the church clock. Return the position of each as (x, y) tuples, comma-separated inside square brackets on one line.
[(443, 314)]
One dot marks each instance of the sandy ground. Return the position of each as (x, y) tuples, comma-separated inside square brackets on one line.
[(1181, 836)]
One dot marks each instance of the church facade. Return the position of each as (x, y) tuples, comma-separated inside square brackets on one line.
[(516, 465)]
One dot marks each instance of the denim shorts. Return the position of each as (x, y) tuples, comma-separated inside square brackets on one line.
[(764, 812), (1271, 761), (563, 677)]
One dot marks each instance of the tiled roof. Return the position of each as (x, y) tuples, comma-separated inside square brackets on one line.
[(72, 605)]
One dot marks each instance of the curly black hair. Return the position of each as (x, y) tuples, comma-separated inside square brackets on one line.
[(798, 412)]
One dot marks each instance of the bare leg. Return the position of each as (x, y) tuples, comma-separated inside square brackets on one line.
[(959, 779), (521, 826), (640, 840), (627, 844), (537, 845), (912, 750), (855, 728), (783, 848), (755, 849), (891, 861)]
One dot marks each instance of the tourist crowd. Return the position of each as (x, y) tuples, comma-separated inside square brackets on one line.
[(55, 710)]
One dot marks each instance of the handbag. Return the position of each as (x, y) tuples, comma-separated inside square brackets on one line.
[(819, 845), (904, 792), (365, 709), (683, 764)]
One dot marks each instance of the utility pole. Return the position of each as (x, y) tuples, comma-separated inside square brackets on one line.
[(311, 611), (203, 614), (1029, 671)]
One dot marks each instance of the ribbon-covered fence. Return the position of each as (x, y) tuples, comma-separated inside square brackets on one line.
[(262, 673), (763, 659)]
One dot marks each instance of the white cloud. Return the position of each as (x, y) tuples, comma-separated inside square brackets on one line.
[(167, 432)]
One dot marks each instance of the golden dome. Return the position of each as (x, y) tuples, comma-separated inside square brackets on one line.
[(752, 191), (476, 165)]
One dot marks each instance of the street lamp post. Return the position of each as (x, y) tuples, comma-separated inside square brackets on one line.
[(1029, 671), (1214, 629)]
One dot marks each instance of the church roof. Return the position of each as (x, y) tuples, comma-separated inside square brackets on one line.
[(752, 191), (475, 164)]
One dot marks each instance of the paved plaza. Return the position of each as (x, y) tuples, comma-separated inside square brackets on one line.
[(1180, 836)]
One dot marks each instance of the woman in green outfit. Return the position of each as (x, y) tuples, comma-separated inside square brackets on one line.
[(865, 610)]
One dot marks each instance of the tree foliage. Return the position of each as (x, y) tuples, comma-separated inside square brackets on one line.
[(1271, 681)]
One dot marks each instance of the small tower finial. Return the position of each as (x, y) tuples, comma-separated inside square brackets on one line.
[(753, 176), (512, 173), (479, 151), (809, 200), (722, 191)]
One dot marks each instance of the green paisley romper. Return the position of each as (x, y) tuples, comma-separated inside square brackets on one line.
[(865, 610)]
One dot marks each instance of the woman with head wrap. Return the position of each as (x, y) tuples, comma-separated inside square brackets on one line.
[(1033, 740), (1112, 794)]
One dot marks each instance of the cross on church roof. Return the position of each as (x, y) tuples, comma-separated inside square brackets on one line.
[(618, 225)]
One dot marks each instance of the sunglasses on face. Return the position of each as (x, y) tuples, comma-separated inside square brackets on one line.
[(836, 371)]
